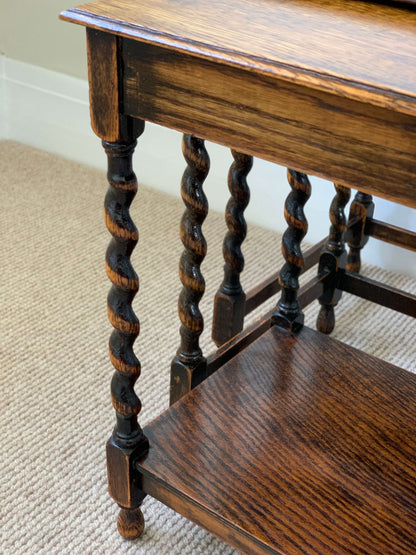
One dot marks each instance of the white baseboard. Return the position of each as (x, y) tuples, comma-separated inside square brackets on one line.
[(4, 132), (50, 111)]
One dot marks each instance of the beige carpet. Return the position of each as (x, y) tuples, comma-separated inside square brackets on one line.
[(56, 413)]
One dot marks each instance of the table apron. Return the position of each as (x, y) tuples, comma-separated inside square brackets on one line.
[(367, 147)]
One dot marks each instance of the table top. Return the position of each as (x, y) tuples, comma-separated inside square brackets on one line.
[(358, 49)]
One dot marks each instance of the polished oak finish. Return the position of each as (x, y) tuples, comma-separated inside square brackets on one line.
[(277, 63), (288, 313), (391, 234), (189, 365), (119, 134), (306, 295), (379, 293), (333, 260), (230, 300), (279, 119), (130, 523), (319, 44), (127, 441), (361, 209), (361, 226), (278, 442), (262, 292), (311, 458)]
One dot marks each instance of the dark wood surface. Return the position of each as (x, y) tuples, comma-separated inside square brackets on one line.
[(333, 260), (263, 76), (322, 44), (310, 130), (379, 293), (188, 367), (127, 441), (361, 209), (102, 52), (230, 300), (288, 313), (295, 443), (307, 294), (299, 444), (391, 234)]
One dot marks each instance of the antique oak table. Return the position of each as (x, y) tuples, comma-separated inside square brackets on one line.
[(292, 442)]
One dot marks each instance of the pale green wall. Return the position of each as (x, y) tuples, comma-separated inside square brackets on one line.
[(30, 31)]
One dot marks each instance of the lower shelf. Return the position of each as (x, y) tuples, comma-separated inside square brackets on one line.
[(299, 445)]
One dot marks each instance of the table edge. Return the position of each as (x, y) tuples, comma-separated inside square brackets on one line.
[(395, 100)]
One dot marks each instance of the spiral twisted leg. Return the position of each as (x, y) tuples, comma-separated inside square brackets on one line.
[(362, 207), (288, 313), (333, 259), (127, 442), (230, 298), (189, 365)]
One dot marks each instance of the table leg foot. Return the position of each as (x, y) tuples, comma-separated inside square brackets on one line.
[(325, 322), (130, 523)]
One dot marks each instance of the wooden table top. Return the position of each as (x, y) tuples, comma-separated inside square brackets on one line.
[(361, 50)]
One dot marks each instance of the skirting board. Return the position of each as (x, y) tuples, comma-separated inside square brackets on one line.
[(50, 111), (4, 132)]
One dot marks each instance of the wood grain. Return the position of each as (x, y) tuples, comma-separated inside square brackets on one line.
[(188, 367), (104, 71), (379, 293), (102, 52), (229, 302), (127, 441), (299, 444), (307, 294), (333, 260), (325, 45), (361, 208), (288, 313), (352, 143), (310, 459), (326, 88), (391, 234)]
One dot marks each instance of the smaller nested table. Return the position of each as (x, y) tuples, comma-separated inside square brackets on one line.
[(284, 440)]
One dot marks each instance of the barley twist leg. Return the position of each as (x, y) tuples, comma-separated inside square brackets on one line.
[(189, 365), (362, 208), (333, 259), (230, 299), (288, 313), (127, 442)]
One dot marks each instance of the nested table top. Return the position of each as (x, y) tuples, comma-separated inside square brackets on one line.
[(358, 49)]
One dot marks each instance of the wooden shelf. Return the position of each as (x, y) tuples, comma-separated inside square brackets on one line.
[(300, 444)]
